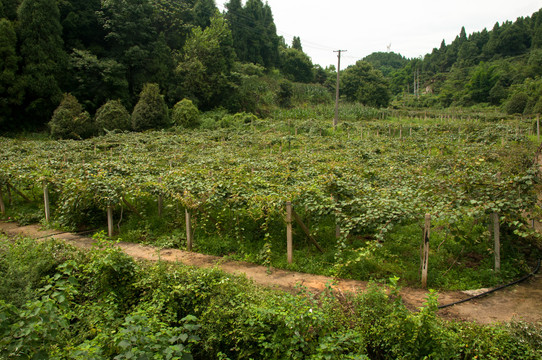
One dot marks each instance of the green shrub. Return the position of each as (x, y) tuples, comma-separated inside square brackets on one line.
[(185, 114), (516, 104), (151, 110), (284, 96), (112, 116), (69, 121)]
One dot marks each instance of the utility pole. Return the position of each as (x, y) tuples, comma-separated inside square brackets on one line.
[(336, 118)]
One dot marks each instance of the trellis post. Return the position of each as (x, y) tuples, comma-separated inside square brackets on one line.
[(2, 205), (538, 128), (160, 200), (110, 221), (497, 238), (189, 233), (46, 201), (425, 254), (289, 238)]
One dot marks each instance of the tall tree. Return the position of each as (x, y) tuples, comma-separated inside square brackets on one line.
[(173, 18), (296, 43), (95, 80), (481, 82), (238, 25), (203, 12), (362, 83), (10, 92), (10, 8), (208, 57), (130, 36), (296, 65), (43, 57), (81, 28), (254, 33)]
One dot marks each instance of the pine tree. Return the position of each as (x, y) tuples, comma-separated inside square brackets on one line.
[(150, 111), (10, 92), (43, 57), (203, 12), (296, 43)]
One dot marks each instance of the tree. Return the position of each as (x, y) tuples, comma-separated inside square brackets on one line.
[(173, 18), (150, 111), (205, 65), (254, 32), (203, 12), (362, 83), (69, 121), (386, 62), (10, 90), (43, 57), (112, 116), (9, 8), (80, 25), (130, 36), (296, 65), (95, 80), (481, 82), (517, 102), (296, 43)]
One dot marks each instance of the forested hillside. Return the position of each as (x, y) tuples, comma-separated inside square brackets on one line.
[(99, 52), (107, 50), (502, 66)]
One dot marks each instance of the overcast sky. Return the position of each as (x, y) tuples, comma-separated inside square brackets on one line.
[(413, 28)]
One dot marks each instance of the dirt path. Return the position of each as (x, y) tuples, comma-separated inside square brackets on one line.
[(521, 302)]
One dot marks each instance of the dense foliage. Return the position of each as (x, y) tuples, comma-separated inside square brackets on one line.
[(151, 111), (486, 67), (375, 179), (108, 50), (185, 114), (69, 121), (112, 116), (61, 304)]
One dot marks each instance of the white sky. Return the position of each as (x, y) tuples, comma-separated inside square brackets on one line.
[(413, 28)]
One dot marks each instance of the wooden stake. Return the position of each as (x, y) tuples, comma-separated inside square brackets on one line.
[(425, 255), (159, 200), (18, 193), (337, 226), (46, 202), (110, 221), (306, 231), (2, 205), (189, 234), (497, 237), (538, 128), (289, 238)]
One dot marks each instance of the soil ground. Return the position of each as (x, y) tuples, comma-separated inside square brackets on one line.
[(518, 302)]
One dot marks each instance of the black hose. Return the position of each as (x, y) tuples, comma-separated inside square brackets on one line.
[(495, 289)]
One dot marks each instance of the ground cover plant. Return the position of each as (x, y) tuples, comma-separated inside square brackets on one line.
[(374, 179), (101, 304)]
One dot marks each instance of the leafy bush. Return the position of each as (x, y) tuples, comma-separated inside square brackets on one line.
[(69, 121), (181, 313), (516, 104), (151, 110), (112, 116), (185, 114), (284, 96)]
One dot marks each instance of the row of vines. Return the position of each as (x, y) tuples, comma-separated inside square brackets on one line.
[(365, 177)]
